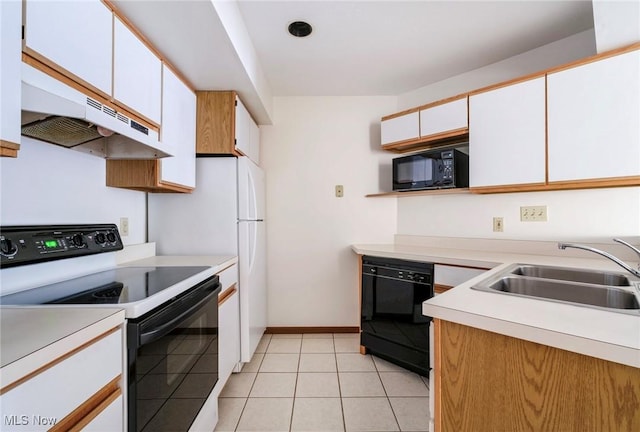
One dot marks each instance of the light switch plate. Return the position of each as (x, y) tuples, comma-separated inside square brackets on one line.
[(498, 224), (339, 191), (533, 213)]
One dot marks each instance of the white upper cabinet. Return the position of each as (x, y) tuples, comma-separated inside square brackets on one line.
[(254, 148), (443, 118), (243, 128), (137, 73), (247, 133), (74, 35), (401, 128), (178, 130), (507, 135), (10, 47), (594, 120)]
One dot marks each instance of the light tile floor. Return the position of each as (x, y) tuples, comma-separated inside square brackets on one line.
[(321, 382)]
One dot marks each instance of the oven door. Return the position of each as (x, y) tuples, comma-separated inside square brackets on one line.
[(173, 360)]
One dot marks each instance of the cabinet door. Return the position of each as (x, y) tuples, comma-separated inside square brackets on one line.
[(137, 74), (447, 117), (178, 131), (10, 97), (254, 149), (73, 377), (75, 36), (243, 128), (109, 420), (594, 120), (229, 350), (507, 135), (401, 128)]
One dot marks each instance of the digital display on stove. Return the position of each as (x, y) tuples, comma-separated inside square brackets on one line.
[(51, 243)]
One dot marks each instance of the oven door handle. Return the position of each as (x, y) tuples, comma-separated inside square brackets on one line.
[(165, 328)]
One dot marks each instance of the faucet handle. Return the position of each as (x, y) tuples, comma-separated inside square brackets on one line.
[(632, 247)]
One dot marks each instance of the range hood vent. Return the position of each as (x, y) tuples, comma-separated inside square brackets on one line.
[(58, 114)]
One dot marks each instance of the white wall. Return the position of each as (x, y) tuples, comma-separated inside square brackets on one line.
[(48, 184), (617, 23), (556, 53), (314, 144), (579, 214)]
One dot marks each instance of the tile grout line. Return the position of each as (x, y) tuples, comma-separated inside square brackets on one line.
[(246, 401), (295, 386), (395, 417), (335, 357)]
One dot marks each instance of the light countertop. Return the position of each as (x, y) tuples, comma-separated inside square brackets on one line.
[(31, 337), (217, 262), (598, 333)]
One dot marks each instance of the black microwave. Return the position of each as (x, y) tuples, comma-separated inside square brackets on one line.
[(434, 169)]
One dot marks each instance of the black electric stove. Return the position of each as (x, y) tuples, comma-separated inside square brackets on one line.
[(118, 286)]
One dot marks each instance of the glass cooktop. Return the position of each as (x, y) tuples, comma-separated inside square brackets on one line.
[(116, 286)]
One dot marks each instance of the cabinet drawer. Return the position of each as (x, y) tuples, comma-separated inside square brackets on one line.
[(228, 276), (60, 389)]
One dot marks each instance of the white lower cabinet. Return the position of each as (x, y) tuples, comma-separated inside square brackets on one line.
[(229, 349), (228, 327), (73, 383)]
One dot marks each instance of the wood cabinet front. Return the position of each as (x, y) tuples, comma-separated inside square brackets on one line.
[(224, 126), (488, 382)]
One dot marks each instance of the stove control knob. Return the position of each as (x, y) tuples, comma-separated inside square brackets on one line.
[(111, 237), (7, 248), (100, 238), (78, 240)]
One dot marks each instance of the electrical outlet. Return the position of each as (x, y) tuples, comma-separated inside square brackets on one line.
[(339, 191), (124, 226), (533, 214), (498, 224)]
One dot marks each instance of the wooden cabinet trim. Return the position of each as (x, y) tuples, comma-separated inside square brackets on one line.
[(442, 101), (57, 360), (227, 294), (141, 175), (437, 385), (561, 185), (456, 136), (440, 288), (9, 149), (90, 409), (452, 191), (400, 114)]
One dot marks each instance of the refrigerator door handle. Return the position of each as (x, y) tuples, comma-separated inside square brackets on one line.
[(250, 220)]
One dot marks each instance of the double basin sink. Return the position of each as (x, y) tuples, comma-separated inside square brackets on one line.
[(596, 289)]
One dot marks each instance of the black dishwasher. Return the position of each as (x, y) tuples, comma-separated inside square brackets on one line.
[(393, 327)]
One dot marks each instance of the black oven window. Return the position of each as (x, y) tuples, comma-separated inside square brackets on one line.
[(176, 373)]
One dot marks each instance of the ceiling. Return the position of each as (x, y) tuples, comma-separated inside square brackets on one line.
[(357, 47), (391, 47)]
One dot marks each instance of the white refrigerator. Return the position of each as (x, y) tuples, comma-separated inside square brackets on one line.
[(223, 216)]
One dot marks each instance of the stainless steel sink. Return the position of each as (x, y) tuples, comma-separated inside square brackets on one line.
[(595, 289), (573, 275)]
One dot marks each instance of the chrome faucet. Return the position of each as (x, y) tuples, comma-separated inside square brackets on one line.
[(616, 260)]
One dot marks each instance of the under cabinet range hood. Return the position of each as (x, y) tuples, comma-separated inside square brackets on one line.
[(56, 113)]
